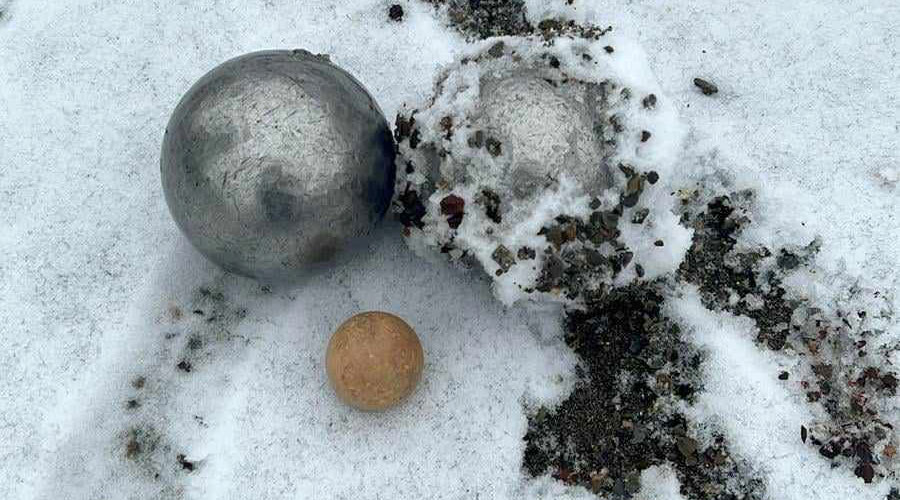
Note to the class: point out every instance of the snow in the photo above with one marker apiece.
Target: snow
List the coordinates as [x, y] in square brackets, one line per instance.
[659, 483]
[255, 412]
[806, 109]
[92, 267]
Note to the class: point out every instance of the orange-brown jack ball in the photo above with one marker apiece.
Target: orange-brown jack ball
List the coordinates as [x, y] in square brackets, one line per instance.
[374, 360]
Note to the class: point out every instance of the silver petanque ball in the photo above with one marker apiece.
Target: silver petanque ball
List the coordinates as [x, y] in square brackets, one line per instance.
[274, 161]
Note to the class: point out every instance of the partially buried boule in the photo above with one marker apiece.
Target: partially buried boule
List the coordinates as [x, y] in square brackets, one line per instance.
[274, 161]
[374, 360]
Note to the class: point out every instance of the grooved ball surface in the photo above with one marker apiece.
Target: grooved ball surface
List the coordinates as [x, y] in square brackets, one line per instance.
[374, 360]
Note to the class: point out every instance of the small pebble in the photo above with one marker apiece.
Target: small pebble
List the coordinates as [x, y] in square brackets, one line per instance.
[493, 146]
[396, 12]
[496, 50]
[708, 88]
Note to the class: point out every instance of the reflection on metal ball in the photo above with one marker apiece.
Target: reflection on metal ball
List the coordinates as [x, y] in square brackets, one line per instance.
[274, 161]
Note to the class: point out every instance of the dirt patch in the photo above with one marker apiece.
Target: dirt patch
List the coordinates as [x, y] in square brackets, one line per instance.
[487, 18]
[849, 379]
[622, 419]
[212, 318]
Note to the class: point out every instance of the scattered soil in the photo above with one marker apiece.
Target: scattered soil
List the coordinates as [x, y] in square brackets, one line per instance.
[621, 419]
[213, 317]
[487, 18]
[491, 203]
[140, 443]
[845, 378]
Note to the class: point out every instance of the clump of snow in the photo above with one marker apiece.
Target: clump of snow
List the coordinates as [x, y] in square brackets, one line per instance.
[547, 488]
[522, 134]
[659, 483]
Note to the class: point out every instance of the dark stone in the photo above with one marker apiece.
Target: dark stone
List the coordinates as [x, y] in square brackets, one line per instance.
[184, 463]
[403, 127]
[476, 140]
[830, 450]
[526, 253]
[788, 261]
[551, 273]
[452, 205]
[496, 50]
[396, 12]
[447, 126]
[413, 210]
[504, 258]
[454, 208]
[491, 202]
[640, 215]
[707, 87]
[616, 123]
[415, 138]
[493, 146]
[866, 472]
[633, 189]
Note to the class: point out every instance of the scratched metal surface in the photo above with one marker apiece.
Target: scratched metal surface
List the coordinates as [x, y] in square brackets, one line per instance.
[274, 161]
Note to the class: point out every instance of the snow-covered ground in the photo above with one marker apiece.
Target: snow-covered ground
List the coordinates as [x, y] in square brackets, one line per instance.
[101, 298]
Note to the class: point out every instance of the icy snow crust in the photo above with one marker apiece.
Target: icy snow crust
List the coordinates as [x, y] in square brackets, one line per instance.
[98, 290]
